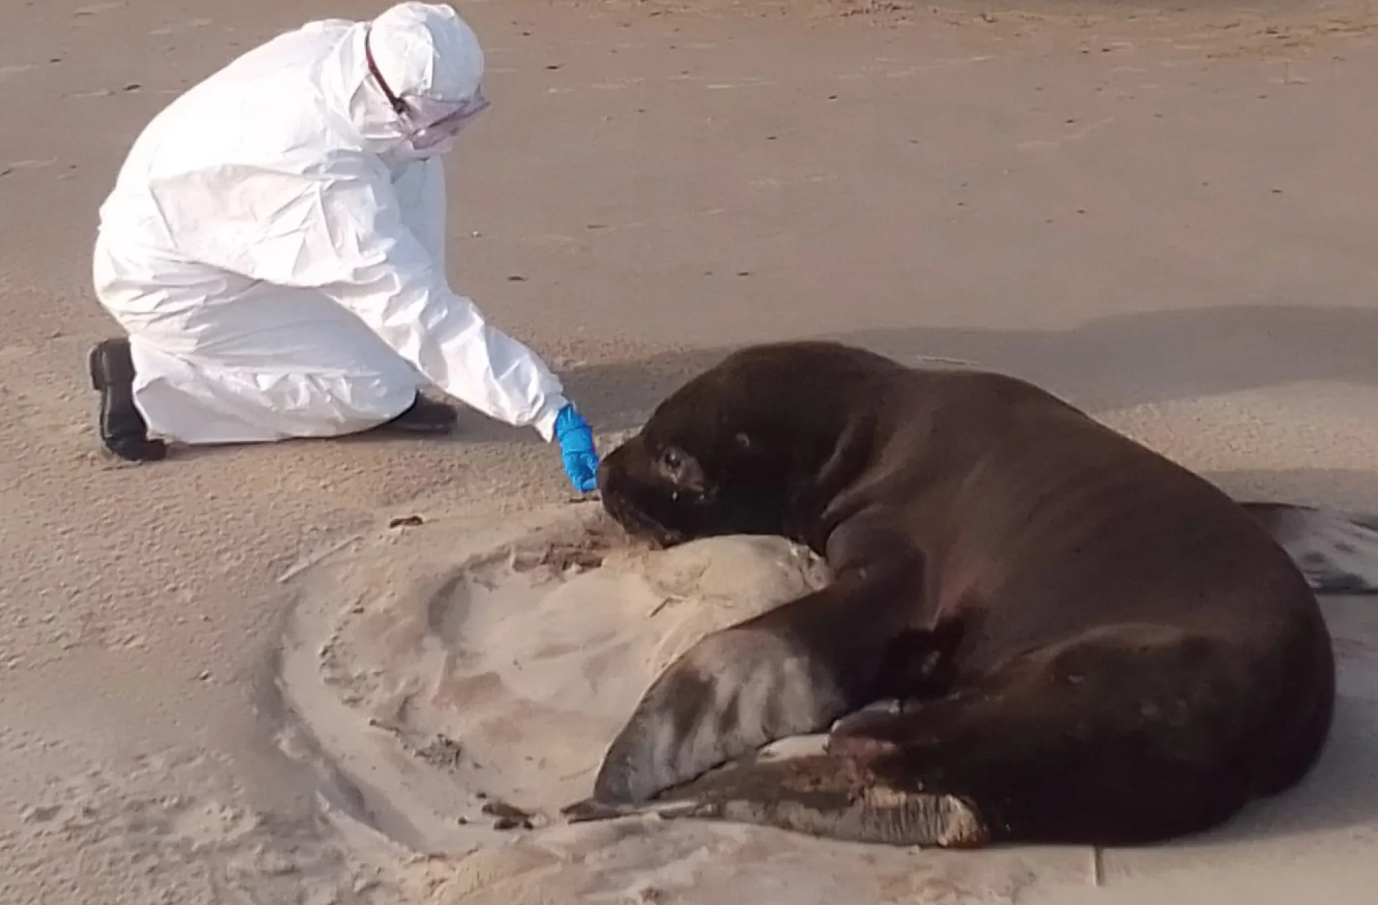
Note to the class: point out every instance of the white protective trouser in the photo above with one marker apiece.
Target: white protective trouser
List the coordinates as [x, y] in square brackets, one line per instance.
[219, 358]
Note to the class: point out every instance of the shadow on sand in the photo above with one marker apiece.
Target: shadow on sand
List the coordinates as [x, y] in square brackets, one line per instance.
[1114, 362]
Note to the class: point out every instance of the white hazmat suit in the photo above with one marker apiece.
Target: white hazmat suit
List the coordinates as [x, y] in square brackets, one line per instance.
[275, 243]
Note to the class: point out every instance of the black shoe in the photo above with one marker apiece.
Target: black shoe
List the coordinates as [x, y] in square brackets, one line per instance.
[122, 429]
[426, 416]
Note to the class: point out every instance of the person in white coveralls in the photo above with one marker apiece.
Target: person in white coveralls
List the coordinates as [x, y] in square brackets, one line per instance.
[274, 247]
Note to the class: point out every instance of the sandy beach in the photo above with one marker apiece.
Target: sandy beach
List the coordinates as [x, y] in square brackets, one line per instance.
[371, 671]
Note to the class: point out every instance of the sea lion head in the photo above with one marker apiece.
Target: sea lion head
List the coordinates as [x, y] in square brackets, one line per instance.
[677, 480]
[730, 451]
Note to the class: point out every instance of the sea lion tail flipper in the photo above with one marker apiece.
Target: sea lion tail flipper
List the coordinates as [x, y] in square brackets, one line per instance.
[1337, 551]
[827, 795]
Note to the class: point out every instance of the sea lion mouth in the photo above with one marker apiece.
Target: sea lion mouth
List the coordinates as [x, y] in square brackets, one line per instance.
[639, 523]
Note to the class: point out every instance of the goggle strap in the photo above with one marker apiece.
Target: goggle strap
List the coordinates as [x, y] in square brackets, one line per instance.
[399, 106]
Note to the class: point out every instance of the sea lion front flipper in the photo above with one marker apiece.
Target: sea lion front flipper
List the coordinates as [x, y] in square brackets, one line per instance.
[730, 693]
[832, 796]
[790, 671]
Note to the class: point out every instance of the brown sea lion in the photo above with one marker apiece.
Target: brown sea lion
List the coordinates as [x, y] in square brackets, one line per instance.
[1088, 642]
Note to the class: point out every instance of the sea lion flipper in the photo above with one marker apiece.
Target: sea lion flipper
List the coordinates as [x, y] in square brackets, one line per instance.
[745, 686]
[1336, 551]
[833, 796]
[732, 692]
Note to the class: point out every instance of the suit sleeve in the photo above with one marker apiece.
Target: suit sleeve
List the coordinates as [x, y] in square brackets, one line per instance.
[344, 233]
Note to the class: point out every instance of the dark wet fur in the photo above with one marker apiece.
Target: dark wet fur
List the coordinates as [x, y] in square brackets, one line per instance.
[1092, 644]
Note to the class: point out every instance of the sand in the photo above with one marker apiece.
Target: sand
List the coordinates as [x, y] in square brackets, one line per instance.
[225, 678]
[506, 658]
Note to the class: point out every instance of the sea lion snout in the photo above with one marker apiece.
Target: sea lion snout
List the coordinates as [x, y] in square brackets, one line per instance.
[633, 504]
[621, 477]
[660, 492]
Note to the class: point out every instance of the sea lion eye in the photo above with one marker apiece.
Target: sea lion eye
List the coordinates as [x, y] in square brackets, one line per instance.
[681, 470]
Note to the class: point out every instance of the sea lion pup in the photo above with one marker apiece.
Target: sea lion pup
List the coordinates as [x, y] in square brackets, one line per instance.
[1091, 644]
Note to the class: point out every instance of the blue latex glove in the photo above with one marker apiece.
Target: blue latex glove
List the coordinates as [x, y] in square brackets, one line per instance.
[575, 437]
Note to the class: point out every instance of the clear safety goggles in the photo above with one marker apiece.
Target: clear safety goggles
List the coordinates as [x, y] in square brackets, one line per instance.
[429, 121]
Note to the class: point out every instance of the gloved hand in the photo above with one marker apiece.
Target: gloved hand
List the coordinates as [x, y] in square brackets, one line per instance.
[575, 437]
